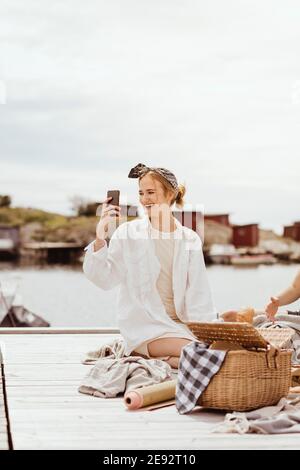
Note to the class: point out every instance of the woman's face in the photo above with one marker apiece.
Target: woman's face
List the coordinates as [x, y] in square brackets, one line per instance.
[152, 196]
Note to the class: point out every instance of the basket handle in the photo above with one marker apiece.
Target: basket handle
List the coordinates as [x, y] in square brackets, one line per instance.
[272, 352]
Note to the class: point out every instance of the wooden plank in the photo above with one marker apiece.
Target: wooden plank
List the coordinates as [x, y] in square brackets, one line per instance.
[39, 391]
[92, 441]
[73, 352]
[25, 372]
[49, 344]
[58, 330]
[36, 338]
[50, 245]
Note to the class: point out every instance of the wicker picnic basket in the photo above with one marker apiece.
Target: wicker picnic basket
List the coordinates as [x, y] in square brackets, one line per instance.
[250, 378]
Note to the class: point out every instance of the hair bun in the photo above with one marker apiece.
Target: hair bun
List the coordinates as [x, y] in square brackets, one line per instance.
[181, 193]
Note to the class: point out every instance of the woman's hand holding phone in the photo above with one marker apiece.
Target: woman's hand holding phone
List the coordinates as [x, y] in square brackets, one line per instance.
[108, 211]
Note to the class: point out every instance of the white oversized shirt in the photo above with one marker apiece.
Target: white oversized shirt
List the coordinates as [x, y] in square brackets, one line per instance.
[130, 262]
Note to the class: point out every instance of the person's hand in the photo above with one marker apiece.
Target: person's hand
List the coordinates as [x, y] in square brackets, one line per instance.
[107, 214]
[272, 308]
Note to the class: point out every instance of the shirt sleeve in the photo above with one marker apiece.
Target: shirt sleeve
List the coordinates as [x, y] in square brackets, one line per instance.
[105, 268]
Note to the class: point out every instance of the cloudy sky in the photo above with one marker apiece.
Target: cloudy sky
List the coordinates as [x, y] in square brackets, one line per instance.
[207, 88]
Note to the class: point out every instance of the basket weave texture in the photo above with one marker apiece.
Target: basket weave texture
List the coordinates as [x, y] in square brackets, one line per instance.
[249, 378]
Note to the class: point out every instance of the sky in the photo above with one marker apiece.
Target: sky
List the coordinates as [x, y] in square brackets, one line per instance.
[206, 88]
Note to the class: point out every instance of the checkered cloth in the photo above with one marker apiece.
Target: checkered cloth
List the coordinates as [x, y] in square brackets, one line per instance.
[197, 367]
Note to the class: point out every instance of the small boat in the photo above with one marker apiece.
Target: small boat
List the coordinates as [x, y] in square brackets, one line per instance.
[253, 260]
[12, 311]
[221, 254]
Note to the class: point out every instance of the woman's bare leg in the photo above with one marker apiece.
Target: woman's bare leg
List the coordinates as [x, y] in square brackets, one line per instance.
[168, 347]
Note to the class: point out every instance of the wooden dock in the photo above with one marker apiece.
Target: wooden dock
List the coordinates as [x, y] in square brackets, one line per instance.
[58, 252]
[9, 241]
[45, 410]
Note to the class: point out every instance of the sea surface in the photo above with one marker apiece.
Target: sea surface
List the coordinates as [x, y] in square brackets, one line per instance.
[62, 295]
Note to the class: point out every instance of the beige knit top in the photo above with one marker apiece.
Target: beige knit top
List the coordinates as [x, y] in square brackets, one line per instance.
[164, 249]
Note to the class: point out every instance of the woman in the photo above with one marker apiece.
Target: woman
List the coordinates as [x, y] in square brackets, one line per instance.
[159, 266]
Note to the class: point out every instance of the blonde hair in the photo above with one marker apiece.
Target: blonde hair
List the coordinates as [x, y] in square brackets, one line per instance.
[167, 188]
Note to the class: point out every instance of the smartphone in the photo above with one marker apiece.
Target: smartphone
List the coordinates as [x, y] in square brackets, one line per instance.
[115, 201]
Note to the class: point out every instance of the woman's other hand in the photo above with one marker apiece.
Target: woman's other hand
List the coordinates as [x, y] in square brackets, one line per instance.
[272, 308]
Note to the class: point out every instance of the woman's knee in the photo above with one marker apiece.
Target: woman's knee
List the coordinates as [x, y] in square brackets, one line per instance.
[173, 362]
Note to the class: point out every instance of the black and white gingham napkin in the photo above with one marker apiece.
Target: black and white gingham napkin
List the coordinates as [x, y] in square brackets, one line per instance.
[197, 367]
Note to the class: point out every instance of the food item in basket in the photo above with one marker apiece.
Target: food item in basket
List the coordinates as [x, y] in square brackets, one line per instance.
[230, 316]
[245, 315]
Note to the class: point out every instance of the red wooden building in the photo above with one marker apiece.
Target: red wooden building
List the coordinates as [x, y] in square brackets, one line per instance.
[289, 231]
[245, 235]
[222, 219]
[191, 219]
[292, 231]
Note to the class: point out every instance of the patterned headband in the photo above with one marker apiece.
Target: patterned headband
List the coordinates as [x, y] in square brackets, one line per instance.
[140, 170]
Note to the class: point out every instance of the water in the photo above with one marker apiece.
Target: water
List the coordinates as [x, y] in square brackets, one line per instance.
[63, 296]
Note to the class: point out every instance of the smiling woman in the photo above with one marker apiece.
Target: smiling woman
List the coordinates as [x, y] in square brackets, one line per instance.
[159, 266]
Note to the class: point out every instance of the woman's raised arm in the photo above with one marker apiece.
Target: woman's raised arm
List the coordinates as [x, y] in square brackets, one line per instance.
[103, 265]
